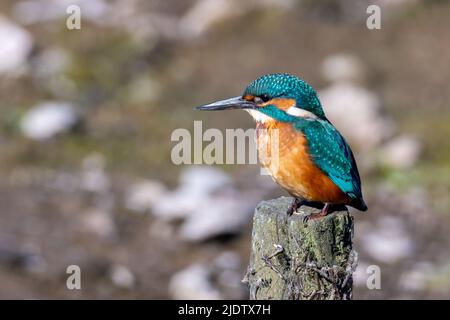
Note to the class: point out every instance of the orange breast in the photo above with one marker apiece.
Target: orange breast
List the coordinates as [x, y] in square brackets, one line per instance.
[283, 152]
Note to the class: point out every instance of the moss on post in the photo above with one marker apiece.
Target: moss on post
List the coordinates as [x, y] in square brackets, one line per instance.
[296, 260]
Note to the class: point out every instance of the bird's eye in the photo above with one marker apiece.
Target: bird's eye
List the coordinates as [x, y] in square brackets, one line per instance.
[262, 98]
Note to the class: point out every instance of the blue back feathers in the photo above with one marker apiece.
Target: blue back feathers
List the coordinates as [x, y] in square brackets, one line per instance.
[331, 153]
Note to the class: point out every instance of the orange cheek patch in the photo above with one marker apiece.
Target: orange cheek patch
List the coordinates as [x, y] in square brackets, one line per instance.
[281, 103]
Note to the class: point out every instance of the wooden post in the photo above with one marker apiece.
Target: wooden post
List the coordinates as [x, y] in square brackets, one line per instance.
[292, 259]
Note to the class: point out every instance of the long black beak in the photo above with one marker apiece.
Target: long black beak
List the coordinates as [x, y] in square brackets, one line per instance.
[232, 103]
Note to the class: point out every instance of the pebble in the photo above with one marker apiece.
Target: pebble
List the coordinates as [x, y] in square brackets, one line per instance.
[16, 44]
[367, 127]
[97, 222]
[122, 277]
[38, 11]
[193, 283]
[216, 217]
[342, 67]
[401, 152]
[144, 195]
[388, 241]
[49, 119]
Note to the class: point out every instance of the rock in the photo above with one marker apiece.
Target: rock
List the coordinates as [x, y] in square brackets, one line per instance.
[50, 62]
[15, 46]
[401, 152]
[217, 216]
[207, 203]
[193, 283]
[228, 260]
[97, 222]
[162, 230]
[342, 67]
[203, 14]
[122, 277]
[130, 16]
[93, 177]
[204, 179]
[367, 127]
[177, 204]
[228, 266]
[204, 216]
[48, 119]
[206, 13]
[134, 18]
[27, 257]
[417, 278]
[196, 185]
[142, 196]
[37, 11]
[35, 261]
[219, 280]
[388, 242]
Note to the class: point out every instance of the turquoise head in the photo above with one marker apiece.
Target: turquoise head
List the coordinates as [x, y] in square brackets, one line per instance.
[280, 96]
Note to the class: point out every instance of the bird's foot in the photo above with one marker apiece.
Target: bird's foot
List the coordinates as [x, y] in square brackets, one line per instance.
[296, 203]
[318, 215]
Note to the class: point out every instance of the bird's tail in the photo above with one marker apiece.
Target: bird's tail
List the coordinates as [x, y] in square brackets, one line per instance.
[360, 205]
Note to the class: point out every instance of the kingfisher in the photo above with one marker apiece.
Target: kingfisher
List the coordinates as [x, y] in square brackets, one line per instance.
[314, 162]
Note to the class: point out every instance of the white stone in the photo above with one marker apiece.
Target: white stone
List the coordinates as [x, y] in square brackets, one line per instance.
[356, 113]
[417, 278]
[15, 46]
[122, 277]
[206, 13]
[342, 67]
[177, 204]
[401, 152]
[203, 14]
[97, 222]
[49, 119]
[388, 241]
[206, 203]
[228, 267]
[193, 283]
[217, 216]
[197, 183]
[36, 11]
[144, 195]
[228, 260]
[204, 179]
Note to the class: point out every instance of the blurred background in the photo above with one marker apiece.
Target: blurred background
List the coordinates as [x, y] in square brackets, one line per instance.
[87, 116]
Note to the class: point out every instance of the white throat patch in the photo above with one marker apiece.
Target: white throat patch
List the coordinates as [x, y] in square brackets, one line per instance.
[259, 116]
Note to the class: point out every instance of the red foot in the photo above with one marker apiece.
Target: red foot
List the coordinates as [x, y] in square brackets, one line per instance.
[319, 215]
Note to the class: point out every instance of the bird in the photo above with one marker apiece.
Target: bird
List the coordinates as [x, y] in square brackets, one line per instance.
[314, 164]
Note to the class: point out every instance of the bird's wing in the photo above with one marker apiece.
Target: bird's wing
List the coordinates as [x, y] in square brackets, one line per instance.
[331, 153]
